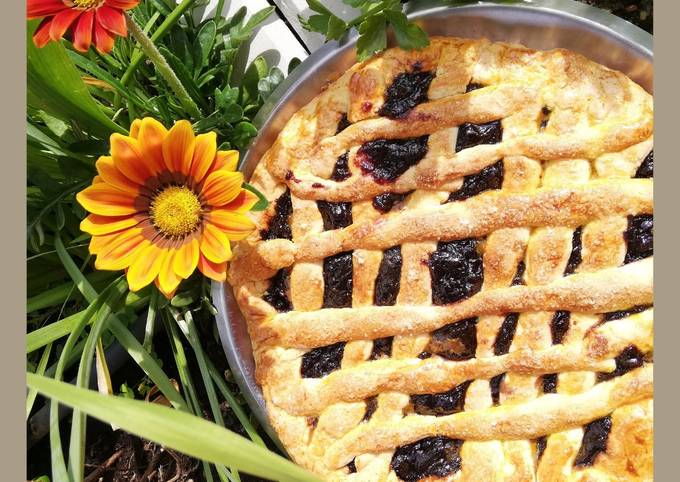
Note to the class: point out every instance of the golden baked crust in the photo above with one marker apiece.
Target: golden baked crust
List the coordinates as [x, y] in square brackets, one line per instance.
[549, 340]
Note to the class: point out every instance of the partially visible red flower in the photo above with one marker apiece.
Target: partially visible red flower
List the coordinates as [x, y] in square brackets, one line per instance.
[89, 20]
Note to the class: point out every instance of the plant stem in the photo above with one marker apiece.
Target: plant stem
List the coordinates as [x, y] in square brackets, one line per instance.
[169, 21]
[152, 53]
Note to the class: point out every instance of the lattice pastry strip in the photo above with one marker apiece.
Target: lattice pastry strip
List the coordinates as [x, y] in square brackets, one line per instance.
[448, 226]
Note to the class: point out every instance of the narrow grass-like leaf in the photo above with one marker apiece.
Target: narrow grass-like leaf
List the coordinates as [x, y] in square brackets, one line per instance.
[178, 430]
[40, 370]
[55, 86]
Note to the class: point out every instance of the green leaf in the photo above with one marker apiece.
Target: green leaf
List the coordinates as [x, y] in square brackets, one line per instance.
[294, 62]
[178, 430]
[257, 18]
[243, 132]
[55, 86]
[262, 203]
[372, 38]
[336, 28]
[205, 39]
[255, 71]
[409, 35]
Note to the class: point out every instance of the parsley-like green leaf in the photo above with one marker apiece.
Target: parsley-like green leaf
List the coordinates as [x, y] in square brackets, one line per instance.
[409, 35]
[372, 36]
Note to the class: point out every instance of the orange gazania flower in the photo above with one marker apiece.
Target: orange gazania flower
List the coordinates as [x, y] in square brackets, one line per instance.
[164, 203]
[88, 19]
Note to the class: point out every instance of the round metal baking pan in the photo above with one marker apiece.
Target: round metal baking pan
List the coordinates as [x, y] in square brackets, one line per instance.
[540, 24]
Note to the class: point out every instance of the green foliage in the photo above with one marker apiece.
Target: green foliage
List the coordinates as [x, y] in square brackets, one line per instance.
[75, 102]
[372, 24]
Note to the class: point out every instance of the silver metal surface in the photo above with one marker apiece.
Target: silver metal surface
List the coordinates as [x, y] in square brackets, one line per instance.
[540, 24]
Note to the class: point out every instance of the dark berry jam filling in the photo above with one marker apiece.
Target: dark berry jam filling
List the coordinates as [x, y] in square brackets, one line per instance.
[388, 279]
[341, 169]
[559, 326]
[455, 341]
[617, 315]
[519, 274]
[382, 348]
[646, 169]
[505, 335]
[457, 271]
[433, 456]
[387, 159]
[335, 215]
[439, 404]
[407, 90]
[495, 386]
[473, 86]
[371, 407]
[343, 124]
[312, 422]
[550, 383]
[541, 443]
[491, 177]
[629, 359]
[321, 361]
[595, 436]
[639, 237]
[279, 224]
[385, 202]
[575, 256]
[470, 135]
[545, 117]
[277, 293]
[337, 278]
[351, 467]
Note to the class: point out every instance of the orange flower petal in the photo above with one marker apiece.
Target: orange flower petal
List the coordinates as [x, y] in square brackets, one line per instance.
[112, 20]
[215, 244]
[151, 135]
[204, 154]
[129, 159]
[82, 33]
[215, 271]
[134, 128]
[178, 147]
[236, 226]
[145, 267]
[167, 294]
[243, 202]
[42, 8]
[122, 250]
[41, 37]
[222, 187]
[99, 243]
[62, 21]
[111, 175]
[227, 160]
[168, 280]
[186, 258]
[97, 225]
[102, 198]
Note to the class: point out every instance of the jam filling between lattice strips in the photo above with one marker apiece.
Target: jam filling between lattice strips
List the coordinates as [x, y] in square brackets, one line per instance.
[456, 341]
[388, 280]
[646, 168]
[279, 224]
[457, 271]
[341, 169]
[386, 201]
[382, 348]
[444, 403]
[639, 237]
[387, 159]
[321, 361]
[575, 255]
[595, 436]
[489, 178]
[471, 135]
[407, 90]
[335, 215]
[277, 293]
[433, 456]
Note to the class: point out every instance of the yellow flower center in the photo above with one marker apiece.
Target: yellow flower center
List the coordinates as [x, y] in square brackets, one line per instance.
[86, 4]
[176, 211]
